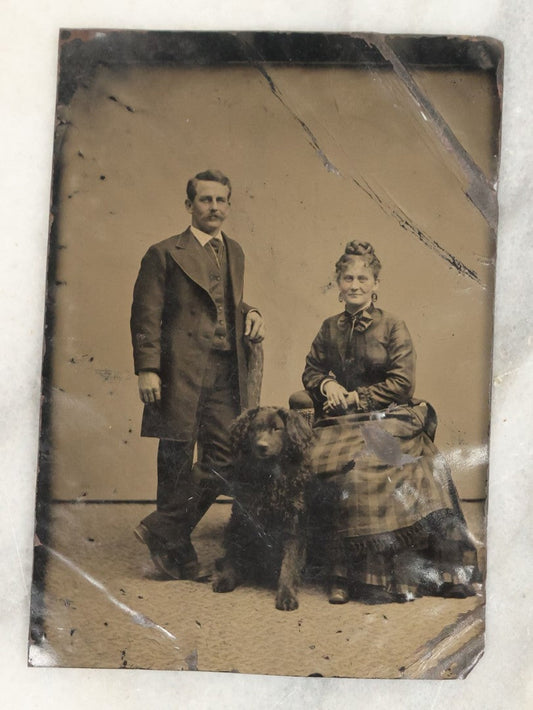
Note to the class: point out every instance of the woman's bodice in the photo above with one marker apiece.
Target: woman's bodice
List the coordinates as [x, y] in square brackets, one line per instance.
[372, 354]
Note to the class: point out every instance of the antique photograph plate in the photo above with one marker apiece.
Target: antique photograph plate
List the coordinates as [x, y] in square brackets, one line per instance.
[391, 140]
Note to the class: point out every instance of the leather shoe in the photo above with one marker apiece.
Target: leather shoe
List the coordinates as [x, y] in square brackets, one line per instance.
[167, 561]
[456, 591]
[338, 593]
[163, 560]
[144, 535]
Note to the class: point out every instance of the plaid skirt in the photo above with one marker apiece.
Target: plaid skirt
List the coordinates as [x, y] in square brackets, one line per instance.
[387, 472]
[385, 506]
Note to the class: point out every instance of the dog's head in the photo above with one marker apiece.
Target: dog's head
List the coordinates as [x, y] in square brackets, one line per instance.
[267, 433]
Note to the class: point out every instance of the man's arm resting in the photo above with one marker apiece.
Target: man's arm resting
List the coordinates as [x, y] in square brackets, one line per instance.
[254, 326]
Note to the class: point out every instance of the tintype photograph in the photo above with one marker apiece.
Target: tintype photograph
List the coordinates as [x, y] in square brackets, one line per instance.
[266, 381]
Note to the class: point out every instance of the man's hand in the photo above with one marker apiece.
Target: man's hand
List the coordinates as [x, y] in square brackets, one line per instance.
[149, 387]
[254, 327]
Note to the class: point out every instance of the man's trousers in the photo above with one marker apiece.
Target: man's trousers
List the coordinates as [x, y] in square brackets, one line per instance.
[185, 491]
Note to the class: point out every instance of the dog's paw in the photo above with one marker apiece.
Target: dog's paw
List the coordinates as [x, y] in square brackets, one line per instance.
[224, 583]
[286, 600]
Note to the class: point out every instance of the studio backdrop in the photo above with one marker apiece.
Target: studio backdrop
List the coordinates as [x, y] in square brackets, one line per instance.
[401, 152]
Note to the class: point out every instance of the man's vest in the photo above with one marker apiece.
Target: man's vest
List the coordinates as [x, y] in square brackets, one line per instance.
[221, 294]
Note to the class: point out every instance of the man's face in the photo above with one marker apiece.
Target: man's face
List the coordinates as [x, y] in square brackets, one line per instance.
[209, 207]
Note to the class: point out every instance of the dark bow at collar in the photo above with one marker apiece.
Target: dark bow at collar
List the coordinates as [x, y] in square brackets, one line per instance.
[359, 321]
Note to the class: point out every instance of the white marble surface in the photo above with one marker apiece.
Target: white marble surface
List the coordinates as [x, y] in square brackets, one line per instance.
[28, 31]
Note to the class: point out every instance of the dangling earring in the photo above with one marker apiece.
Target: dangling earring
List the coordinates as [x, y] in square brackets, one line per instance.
[341, 298]
[374, 297]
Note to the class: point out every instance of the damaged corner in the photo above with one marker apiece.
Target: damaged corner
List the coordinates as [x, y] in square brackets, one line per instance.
[481, 191]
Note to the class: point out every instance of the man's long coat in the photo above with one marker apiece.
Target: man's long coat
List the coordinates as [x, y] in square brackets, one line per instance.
[173, 321]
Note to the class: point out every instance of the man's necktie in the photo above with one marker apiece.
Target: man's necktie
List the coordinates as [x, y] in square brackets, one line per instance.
[216, 246]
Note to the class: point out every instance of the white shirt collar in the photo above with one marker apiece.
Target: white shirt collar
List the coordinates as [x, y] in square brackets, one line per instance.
[203, 237]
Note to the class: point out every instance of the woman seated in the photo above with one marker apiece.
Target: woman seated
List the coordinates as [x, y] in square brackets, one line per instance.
[395, 529]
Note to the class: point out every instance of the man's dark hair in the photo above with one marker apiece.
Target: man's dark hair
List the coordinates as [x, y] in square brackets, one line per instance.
[210, 175]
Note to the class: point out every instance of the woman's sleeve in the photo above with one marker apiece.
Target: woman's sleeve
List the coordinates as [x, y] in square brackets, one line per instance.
[398, 385]
[317, 366]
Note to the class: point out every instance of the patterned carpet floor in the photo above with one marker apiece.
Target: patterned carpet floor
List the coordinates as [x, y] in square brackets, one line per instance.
[105, 607]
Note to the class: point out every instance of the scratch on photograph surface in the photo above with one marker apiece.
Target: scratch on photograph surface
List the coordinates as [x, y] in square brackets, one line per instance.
[386, 204]
[108, 375]
[135, 616]
[310, 136]
[121, 103]
[474, 660]
[481, 192]
[393, 210]
[463, 458]
[454, 639]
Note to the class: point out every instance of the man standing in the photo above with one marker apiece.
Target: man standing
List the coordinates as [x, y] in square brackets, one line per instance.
[190, 329]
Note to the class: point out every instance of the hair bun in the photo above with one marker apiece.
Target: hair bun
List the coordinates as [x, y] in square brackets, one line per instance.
[363, 250]
[355, 248]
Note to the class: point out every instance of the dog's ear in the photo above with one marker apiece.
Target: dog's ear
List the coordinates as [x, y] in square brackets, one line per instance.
[299, 433]
[239, 440]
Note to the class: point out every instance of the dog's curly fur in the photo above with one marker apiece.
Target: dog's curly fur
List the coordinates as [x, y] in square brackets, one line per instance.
[265, 537]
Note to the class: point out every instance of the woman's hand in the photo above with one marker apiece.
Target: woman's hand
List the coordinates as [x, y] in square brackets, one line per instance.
[352, 400]
[336, 395]
[339, 399]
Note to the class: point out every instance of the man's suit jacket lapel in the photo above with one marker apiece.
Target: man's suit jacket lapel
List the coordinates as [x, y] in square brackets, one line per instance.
[190, 255]
[236, 268]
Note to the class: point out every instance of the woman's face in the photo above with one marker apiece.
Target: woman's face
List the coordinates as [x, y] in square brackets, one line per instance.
[357, 284]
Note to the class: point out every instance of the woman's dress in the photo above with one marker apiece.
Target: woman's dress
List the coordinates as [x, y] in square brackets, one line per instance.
[393, 515]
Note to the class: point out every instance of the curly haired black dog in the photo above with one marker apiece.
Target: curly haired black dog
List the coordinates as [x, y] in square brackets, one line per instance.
[265, 537]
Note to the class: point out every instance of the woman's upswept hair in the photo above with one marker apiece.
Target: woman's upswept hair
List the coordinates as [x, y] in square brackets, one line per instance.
[365, 251]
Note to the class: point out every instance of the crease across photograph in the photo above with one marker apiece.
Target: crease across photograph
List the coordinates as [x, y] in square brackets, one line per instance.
[268, 345]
